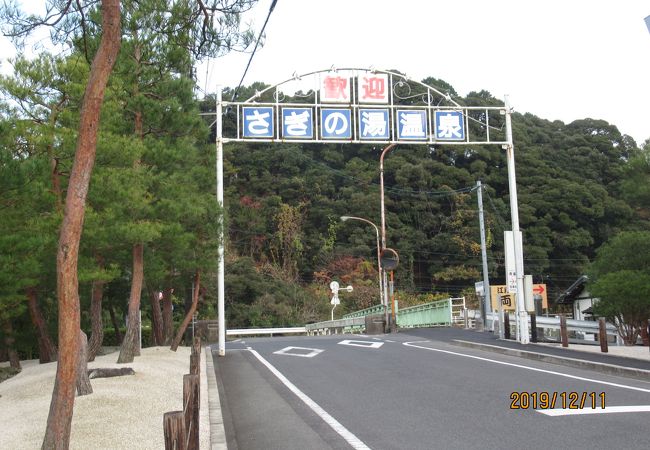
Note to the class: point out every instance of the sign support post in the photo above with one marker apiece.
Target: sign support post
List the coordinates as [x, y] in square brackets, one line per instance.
[220, 256]
[522, 315]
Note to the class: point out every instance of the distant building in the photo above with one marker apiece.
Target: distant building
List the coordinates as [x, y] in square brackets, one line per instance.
[581, 300]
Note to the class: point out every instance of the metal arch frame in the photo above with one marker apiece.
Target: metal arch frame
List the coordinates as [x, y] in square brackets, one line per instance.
[507, 144]
[404, 77]
[395, 80]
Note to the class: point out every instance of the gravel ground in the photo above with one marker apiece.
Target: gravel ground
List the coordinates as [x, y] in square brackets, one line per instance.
[122, 412]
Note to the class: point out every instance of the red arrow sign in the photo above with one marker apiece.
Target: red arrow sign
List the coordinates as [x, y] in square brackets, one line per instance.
[538, 289]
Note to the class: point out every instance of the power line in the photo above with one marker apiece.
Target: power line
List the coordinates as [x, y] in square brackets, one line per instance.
[257, 43]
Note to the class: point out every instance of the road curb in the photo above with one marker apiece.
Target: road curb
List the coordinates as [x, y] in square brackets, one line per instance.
[217, 431]
[610, 369]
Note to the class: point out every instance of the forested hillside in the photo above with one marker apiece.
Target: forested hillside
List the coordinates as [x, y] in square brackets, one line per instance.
[284, 205]
[152, 191]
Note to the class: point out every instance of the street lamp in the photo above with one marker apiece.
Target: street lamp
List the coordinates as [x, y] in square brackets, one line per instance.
[381, 286]
[383, 220]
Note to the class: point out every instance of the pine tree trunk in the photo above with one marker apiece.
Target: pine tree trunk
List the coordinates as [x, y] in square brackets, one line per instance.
[97, 325]
[156, 318]
[83, 381]
[57, 432]
[47, 351]
[8, 331]
[168, 320]
[116, 324]
[130, 344]
[190, 313]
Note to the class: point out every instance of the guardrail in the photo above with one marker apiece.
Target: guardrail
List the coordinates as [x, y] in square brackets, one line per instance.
[270, 331]
[345, 325]
[181, 428]
[589, 329]
[432, 314]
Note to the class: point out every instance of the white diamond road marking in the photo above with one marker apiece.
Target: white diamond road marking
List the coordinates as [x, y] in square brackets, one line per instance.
[288, 351]
[361, 343]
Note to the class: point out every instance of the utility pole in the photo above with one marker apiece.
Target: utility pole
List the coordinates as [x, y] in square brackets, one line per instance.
[487, 305]
[522, 315]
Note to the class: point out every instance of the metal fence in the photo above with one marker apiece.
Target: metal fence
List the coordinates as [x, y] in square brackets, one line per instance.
[580, 331]
[427, 315]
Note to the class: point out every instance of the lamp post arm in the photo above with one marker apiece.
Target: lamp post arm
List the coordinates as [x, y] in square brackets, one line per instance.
[381, 190]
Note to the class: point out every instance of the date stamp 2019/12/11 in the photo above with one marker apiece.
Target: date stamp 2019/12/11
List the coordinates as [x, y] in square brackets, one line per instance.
[553, 400]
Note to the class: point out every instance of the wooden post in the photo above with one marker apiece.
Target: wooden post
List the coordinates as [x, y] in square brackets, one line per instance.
[602, 335]
[195, 364]
[563, 332]
[506, 324]
[191, 410]
[533, 327]
[174, 430]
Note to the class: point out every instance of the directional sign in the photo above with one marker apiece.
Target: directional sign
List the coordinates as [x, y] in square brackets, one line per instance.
[540, 289]
[508, 300]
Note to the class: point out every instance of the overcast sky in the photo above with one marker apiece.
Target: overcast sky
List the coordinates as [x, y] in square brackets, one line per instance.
[558, 59]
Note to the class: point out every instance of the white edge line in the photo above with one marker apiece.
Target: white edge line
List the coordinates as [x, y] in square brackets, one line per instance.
[607, 410]
[351, 439]
[534, 369]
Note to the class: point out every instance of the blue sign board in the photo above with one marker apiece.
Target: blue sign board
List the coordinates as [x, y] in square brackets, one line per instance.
[449, 126]
[258, 122]
[374, 124]
[297, 123]
[411, 124]
[336, 123]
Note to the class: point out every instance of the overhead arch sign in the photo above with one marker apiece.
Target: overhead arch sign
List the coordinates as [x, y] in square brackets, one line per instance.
[362, 106]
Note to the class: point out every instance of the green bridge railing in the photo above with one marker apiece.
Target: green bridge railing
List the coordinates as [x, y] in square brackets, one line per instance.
[432, 314]
[426, 315]
[377, 309]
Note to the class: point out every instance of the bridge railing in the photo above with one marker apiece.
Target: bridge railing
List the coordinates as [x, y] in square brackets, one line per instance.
[345, 325]
[377, 309]
[432, 314]
[264, 331]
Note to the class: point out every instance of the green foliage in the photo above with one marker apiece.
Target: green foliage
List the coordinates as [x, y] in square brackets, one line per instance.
[621, 280]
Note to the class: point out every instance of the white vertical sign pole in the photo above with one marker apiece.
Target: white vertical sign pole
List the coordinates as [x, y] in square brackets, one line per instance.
[220, 255]
[522, 316]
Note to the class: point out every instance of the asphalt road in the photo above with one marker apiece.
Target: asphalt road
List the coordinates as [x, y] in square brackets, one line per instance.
[415, 391]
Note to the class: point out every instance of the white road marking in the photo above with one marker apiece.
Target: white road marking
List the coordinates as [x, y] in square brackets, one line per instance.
[388, 340]
[365, 344]
[606, 410]
[288, 351]
[354, 441]
[534, 369]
